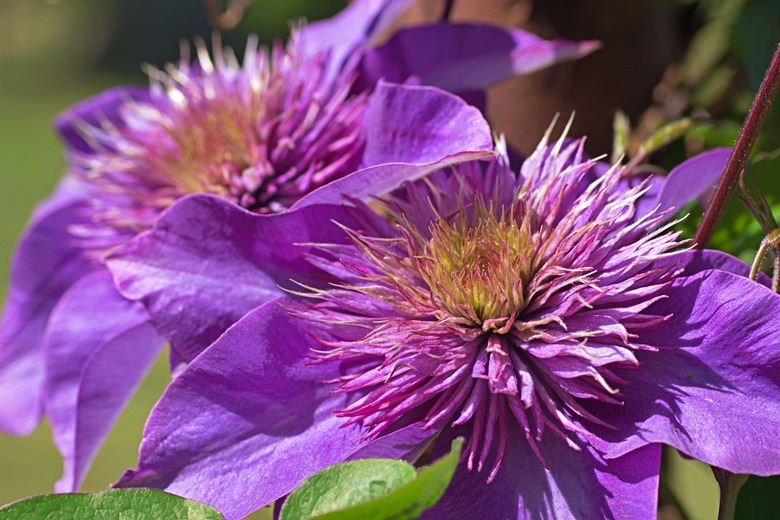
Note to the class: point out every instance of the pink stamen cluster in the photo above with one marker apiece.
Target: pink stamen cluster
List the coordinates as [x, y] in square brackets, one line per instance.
[261, 134]
[497, 302]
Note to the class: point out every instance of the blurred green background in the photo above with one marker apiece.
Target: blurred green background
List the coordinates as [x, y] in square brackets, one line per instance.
[54, 53]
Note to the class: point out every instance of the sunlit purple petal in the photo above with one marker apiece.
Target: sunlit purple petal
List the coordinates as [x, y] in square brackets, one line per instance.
[237, 428]
[714, 383]
[97, 346]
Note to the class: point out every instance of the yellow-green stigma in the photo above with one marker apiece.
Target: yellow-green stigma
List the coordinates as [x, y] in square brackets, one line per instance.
[479, 265]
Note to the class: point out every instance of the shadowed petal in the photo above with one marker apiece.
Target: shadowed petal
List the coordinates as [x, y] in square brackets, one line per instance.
[716, 381]
[208, 262]
[378, 180]
[576, 485]
[406, 443]
[697, 260]
[422, 126]
[93, 111]
[247, 421]
[97, 346]
[463, 57]
[44, 265]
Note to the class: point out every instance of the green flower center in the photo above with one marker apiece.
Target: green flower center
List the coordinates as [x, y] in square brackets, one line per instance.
[478, 266]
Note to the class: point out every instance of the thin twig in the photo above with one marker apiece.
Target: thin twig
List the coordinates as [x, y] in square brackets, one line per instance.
[771, 241]
[776, 270]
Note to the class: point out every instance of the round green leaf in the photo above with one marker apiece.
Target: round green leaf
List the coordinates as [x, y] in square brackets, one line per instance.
[332, 498]
[124, 504]
[345, 485]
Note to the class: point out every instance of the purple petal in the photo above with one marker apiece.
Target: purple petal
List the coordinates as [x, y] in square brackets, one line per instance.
[208, 262]
[422, 126]
[687, 181]
[97, 346]
[68, 192]
[631, 483]
[406, 443]
[356, 25]
[93, 112]
[698, 260]
[462, 57]
[247, 421]
[713, 391]
[44, 265]
[575, 486]
[109, 379]
[376, 181]
[648, 201]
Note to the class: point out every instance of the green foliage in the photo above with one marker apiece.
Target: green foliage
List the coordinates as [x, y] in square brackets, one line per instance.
[124, 504]
[665, 135]
[738, 232]
[759, 499]
[621, 128]
[379, 489]
[711, 135]
[756, 33]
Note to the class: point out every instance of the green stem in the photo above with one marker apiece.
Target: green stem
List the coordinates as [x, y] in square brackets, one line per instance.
[730, 484]
[760, 254]
[772, 240]
[740, 153]
[776, 271]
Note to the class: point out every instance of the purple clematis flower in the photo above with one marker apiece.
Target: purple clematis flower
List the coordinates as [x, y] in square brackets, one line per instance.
[536, 315]
[259, 134]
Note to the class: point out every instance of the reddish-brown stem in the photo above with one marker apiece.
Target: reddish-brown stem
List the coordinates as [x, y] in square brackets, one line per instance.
[740, 153]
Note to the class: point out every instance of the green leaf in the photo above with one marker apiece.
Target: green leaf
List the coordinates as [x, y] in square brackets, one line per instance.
[711, 135]
[755, 37]
[621, 131]
[665, 135]
[379, 489]
[125, 504]
[345, 485]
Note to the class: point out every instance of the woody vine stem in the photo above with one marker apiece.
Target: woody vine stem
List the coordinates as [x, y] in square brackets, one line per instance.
[740, 153]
